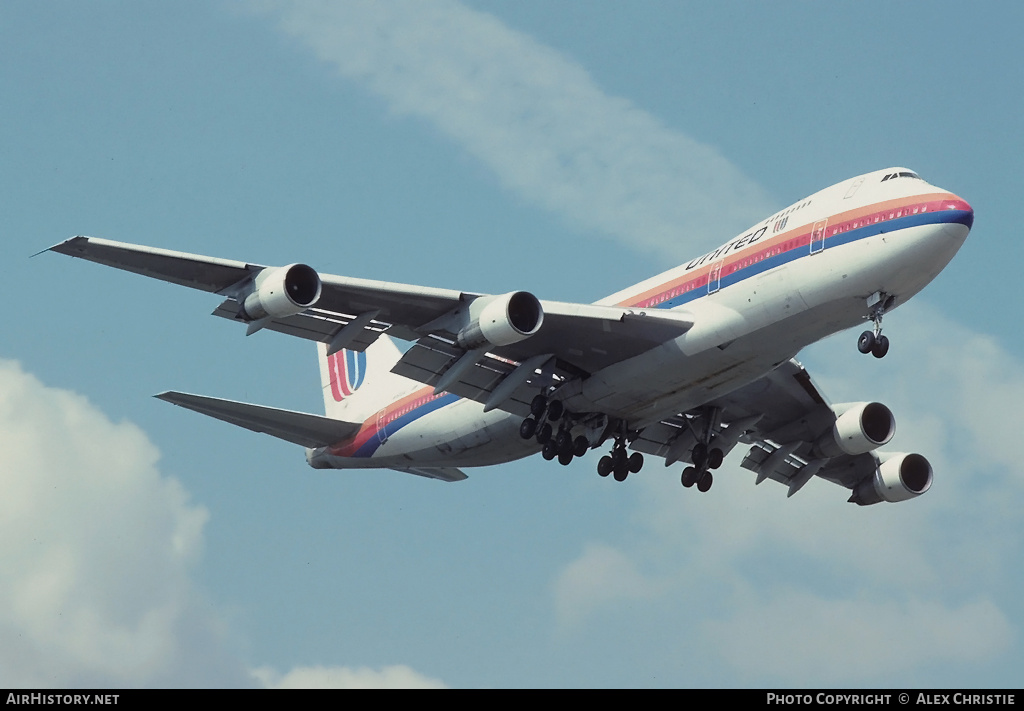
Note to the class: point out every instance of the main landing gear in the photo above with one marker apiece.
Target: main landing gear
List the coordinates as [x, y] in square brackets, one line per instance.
[704, 460]
[704, 455]
[874, 342]
[617, 462]
[558, 443]
[551, 425]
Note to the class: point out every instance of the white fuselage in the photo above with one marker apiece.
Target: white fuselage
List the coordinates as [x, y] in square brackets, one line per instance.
[793, 279]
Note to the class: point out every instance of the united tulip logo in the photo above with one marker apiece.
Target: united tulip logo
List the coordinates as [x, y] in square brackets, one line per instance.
[347, 369]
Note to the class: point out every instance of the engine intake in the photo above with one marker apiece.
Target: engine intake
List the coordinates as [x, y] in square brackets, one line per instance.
[860, 427]
[282, 291]
[898, 477]
[501, 320]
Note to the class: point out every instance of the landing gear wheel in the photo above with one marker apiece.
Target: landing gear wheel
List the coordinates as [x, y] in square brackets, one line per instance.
[689, 476]
[620, 458]
[881, 347]
[705, 482]
[621, 470]
[635, 462]
[528, 428]
[564, 442]
[580, 446]
[565, 458]
[699, 456]
[555, 410]
[866, 342]
[544, 433]
[538, 406]
[550, 450]
[715, 458]
[605, 465]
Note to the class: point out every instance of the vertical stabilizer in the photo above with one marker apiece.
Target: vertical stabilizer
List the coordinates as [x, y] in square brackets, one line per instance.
[358, 385]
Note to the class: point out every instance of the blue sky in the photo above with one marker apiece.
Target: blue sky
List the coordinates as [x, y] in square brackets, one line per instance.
[565, 148]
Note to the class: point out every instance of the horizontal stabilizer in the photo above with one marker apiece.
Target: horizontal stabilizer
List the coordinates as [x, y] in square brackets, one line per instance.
[296, 427]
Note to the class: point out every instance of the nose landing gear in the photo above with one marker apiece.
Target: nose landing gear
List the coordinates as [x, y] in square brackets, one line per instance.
[874, 342]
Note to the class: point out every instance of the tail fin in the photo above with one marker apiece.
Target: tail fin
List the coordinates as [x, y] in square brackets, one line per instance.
[357, 384]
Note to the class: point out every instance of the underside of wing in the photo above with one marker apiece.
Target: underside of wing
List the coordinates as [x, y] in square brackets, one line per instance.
[494, 349]
[205, 273]
[794, 435]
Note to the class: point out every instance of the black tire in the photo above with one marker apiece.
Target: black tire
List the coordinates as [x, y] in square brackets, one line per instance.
[881, 347]
[550, 451]
[715, 458]
[538, 406]
[621, 471]
[555, 410]
[619, 455]
[605, 465]
[699, 455]
[580, 445]
[689, 475]
[866, 342]
[635, 462]
[564, 441]
[705, 482]
[543, 433]
[528, 428]
[565, 458]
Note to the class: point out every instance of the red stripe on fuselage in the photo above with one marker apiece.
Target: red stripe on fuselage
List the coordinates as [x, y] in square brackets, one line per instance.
[392, 412]
[699, 275]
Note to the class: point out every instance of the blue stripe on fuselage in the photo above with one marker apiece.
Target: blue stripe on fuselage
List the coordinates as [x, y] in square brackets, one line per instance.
[962, 217]
[371, 445]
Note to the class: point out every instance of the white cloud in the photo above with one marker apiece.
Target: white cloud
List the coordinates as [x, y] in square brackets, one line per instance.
[813, 590]
[601, 576]
[96, 551]
[809, 640]
[320, 677]
[535, 118]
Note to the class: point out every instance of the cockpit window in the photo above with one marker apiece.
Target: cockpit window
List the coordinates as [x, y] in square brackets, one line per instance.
[902, 174]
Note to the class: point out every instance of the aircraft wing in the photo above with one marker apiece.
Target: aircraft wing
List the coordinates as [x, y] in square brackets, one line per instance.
[789, 426]
[573, 339]
[341, 301]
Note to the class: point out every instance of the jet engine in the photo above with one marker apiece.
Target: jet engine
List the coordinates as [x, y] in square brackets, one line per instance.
[898, 477]
[860, 427]
[282, 291]
[501, 320]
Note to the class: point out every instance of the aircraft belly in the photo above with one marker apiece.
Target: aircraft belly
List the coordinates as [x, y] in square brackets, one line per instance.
[460, 435]
[901, 263]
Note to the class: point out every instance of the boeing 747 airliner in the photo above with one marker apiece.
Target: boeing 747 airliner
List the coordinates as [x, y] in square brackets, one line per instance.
[684, 366]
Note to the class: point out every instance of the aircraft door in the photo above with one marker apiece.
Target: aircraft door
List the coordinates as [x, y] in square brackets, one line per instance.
[818, 236]
[382, 426]
[715, 277]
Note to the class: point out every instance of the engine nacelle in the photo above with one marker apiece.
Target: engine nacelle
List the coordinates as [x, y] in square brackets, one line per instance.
[898, 477]
[501, 320]
[860, 427]
[282, 291]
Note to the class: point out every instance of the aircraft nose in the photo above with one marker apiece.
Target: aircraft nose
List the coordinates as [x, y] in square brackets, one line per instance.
[960, 214]
[968, 218]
